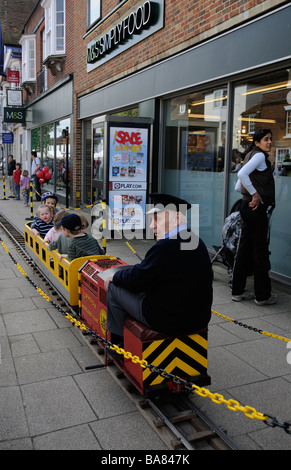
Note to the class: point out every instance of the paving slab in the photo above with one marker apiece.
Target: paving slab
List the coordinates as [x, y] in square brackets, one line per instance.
[55, 404]
[48, 400]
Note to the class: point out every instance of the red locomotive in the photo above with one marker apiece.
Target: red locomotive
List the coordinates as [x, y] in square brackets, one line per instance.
[184, 356]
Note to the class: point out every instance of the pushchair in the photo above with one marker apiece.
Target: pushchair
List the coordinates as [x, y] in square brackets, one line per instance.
[231, 232]
[230, 238]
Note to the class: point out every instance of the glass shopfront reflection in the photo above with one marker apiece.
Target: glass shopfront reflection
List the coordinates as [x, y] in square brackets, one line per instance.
[194, 155]
[48, 155]
[265, 102]
[98, 161]
[61, 149]
[53, 147]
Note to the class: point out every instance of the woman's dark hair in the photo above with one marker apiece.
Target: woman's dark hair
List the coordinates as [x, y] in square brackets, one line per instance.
[258, 136]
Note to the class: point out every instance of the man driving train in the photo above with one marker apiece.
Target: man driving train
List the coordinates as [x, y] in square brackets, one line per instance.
[170, 290]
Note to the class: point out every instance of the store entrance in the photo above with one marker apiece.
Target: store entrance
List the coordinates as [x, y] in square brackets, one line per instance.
[98, 163]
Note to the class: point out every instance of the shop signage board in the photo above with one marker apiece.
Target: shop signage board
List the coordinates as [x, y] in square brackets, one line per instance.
[14, 97]
[128, 169]
[133, 27]
[13, 76]
[7, 138]
[16, 115]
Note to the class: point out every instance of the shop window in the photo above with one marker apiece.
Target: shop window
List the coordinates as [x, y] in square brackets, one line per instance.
[194, 155]
[264, 102]
[51, 146]
[62, 172]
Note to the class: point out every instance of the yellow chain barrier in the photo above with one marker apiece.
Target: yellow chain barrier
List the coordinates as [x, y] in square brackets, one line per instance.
[271, 335]
[217, 398]
[231, 404]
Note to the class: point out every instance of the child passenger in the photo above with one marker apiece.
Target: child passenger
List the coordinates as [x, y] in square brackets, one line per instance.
[25, 185]
[44, 221]
[84, 222]
[81, 243]
[54, 233]
[48, 199]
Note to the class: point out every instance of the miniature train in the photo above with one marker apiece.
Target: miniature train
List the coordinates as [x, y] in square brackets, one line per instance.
[81, 283]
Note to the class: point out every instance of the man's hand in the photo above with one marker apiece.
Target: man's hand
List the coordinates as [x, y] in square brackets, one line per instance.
[107, 282]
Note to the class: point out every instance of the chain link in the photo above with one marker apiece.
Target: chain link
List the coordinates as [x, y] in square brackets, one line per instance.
[275, 423]
[256, 330]
[217, 398]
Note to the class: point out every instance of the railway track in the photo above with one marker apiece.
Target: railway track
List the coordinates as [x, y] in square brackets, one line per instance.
[175, 418]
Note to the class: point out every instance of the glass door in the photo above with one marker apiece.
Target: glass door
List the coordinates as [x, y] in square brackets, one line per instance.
[98, 162]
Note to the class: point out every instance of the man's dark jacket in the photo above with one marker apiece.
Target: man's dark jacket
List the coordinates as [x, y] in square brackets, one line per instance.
[11, 167]
[177, 284]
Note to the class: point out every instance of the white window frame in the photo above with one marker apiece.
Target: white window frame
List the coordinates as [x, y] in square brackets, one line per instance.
[220, 98]
[281, 153]
[252, 123]
[288, 121]
[28, 57]
[91, 20]
[50, 32]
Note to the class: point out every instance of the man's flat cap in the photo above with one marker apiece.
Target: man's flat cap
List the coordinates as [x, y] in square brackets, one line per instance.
[163, 202]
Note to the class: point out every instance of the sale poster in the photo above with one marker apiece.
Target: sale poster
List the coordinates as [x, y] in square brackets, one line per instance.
[128, 161]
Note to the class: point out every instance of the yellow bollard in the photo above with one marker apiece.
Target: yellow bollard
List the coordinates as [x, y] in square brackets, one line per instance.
[103, 204]
[31, 203]
[4, 190]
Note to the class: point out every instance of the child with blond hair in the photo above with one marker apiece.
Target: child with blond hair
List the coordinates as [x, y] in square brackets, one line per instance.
[44, 221]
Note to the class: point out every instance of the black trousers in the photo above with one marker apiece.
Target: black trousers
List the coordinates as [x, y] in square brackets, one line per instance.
[120, 304]
[253, 252]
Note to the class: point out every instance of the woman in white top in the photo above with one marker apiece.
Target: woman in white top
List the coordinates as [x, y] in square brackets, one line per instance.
[256, 183]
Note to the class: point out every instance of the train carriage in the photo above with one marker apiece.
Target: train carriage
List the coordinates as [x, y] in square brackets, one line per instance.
[81, 283]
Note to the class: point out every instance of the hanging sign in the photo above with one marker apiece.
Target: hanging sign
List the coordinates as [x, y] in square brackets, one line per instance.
[14, 97]
[13, 76]
[16, 115]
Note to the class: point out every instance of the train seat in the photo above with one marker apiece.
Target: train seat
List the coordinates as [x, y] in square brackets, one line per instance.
[142, 332]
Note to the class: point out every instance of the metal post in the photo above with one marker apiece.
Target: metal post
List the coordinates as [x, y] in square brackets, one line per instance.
[31, 203]
[4, 193]
[103, 204]
[66, 136]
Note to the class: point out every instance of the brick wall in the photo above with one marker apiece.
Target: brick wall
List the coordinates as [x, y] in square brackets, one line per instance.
[187, 23]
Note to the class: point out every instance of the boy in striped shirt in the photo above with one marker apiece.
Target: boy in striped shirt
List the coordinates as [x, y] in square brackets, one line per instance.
[82, 244]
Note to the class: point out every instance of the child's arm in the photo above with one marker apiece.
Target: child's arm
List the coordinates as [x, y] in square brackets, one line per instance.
[49, 236]
[53, 245]
[35, 232]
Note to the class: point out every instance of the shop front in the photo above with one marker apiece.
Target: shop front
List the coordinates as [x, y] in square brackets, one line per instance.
[206, 104]
[49, 126]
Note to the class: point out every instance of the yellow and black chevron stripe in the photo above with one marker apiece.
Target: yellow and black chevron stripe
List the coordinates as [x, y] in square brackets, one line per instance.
[185, 356]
